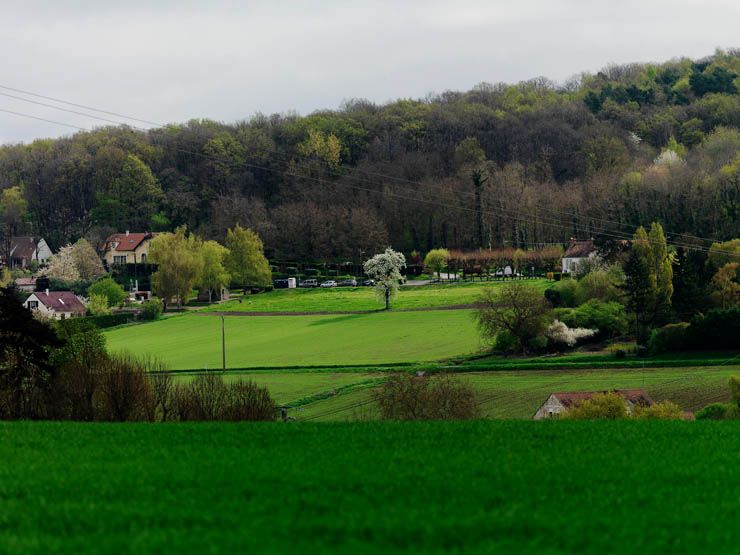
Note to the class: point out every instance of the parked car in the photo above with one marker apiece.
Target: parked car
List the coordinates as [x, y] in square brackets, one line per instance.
[368, 282]
[329, 283]
[309, 283]
[348, 283]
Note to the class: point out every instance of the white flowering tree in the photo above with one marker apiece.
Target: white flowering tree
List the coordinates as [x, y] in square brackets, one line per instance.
[559, 332]
[385, 269]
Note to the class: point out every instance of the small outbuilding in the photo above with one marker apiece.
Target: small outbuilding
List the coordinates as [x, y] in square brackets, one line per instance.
[25, 284]
[59, 305]
[558, 403]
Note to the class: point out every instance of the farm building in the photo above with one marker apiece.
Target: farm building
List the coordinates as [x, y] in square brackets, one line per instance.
[126, 248]
[577, 252]
[26, 250]
[59, 305]
[558, 403]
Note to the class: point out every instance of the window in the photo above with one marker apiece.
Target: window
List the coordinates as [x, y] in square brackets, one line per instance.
[33, 305]
[119, 260]
[143, 257]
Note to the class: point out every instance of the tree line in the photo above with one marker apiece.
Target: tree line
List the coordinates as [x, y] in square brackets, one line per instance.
[498, 165]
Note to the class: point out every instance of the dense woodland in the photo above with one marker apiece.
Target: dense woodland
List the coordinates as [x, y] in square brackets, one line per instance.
[499, 165]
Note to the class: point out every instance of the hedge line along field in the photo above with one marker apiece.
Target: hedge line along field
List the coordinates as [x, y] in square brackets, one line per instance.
[363, 298]
[193, 341]
[518, 394]
[371, 487]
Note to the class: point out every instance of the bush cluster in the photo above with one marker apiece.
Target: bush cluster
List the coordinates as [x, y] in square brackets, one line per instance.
[410, 397]
[717, 329]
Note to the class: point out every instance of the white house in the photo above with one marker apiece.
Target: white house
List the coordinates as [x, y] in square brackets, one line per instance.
[59, 305]
[25, 250]
[558, 403]
[577, 252]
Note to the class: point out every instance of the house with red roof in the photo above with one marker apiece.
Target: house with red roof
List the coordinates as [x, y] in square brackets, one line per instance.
[576, 253]
[558, 403]
[59, 305]
[126, 248]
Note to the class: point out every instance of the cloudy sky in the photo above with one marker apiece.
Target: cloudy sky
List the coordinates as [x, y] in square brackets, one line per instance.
[170, 61]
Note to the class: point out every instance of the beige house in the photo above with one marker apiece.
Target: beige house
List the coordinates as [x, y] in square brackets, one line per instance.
[126, 248]
[59, 305]
[558, 403]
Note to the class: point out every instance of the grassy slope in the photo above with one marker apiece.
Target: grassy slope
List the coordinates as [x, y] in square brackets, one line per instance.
[518, 394]
[362, 298]
[475, 487]
[194, 341]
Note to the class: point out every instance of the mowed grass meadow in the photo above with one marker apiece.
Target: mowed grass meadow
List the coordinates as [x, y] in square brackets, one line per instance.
[363, 298]
[370, 487]
[193, 341]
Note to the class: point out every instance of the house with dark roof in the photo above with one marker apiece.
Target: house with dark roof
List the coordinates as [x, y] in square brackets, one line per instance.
[558, 403]
[576, 253]
[26, 250]
[59, 305]
[126, 248]
[25, 284]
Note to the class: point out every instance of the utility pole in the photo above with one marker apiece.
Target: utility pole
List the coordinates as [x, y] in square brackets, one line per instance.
[223, 342]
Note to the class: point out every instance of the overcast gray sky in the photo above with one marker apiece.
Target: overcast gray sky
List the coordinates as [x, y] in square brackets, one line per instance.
[176, 60]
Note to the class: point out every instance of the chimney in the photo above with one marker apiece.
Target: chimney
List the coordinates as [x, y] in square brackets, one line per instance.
[47, 291]
[127, 233]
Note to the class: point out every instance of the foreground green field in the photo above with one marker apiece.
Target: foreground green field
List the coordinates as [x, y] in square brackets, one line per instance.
[518, 394]
[472, 487]
[193, 341]
[363, 298]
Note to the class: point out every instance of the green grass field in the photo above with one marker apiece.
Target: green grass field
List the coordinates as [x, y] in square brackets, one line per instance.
[363, 298]
[466, 487]
[518, 394]
[193, 341]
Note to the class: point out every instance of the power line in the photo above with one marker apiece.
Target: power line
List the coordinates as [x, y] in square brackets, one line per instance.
[99, 110]
[554, 223]
[274, 152]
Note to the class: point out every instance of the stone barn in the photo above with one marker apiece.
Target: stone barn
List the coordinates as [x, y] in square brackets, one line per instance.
[558, 403]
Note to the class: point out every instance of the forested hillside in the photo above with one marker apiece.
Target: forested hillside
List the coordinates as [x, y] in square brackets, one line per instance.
[497, 165]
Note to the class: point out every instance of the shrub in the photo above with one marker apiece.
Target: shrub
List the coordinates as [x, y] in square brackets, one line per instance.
[563, 293]
[610, 319]
[537, 343]
[671, 337]
[735, 389]
[208, 397]
[108, 288]
[125, 393]
[665, 410]
[151, 309]
[504, 342]
[98, 305]
[248, 401]
[718, 329]
[163, 391]
[601, 284]
[716, 411]
[560, 333]
[409, 397]
[607, 406]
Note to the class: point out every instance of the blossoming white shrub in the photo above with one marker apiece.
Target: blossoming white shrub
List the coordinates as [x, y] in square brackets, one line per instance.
[558, 332]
